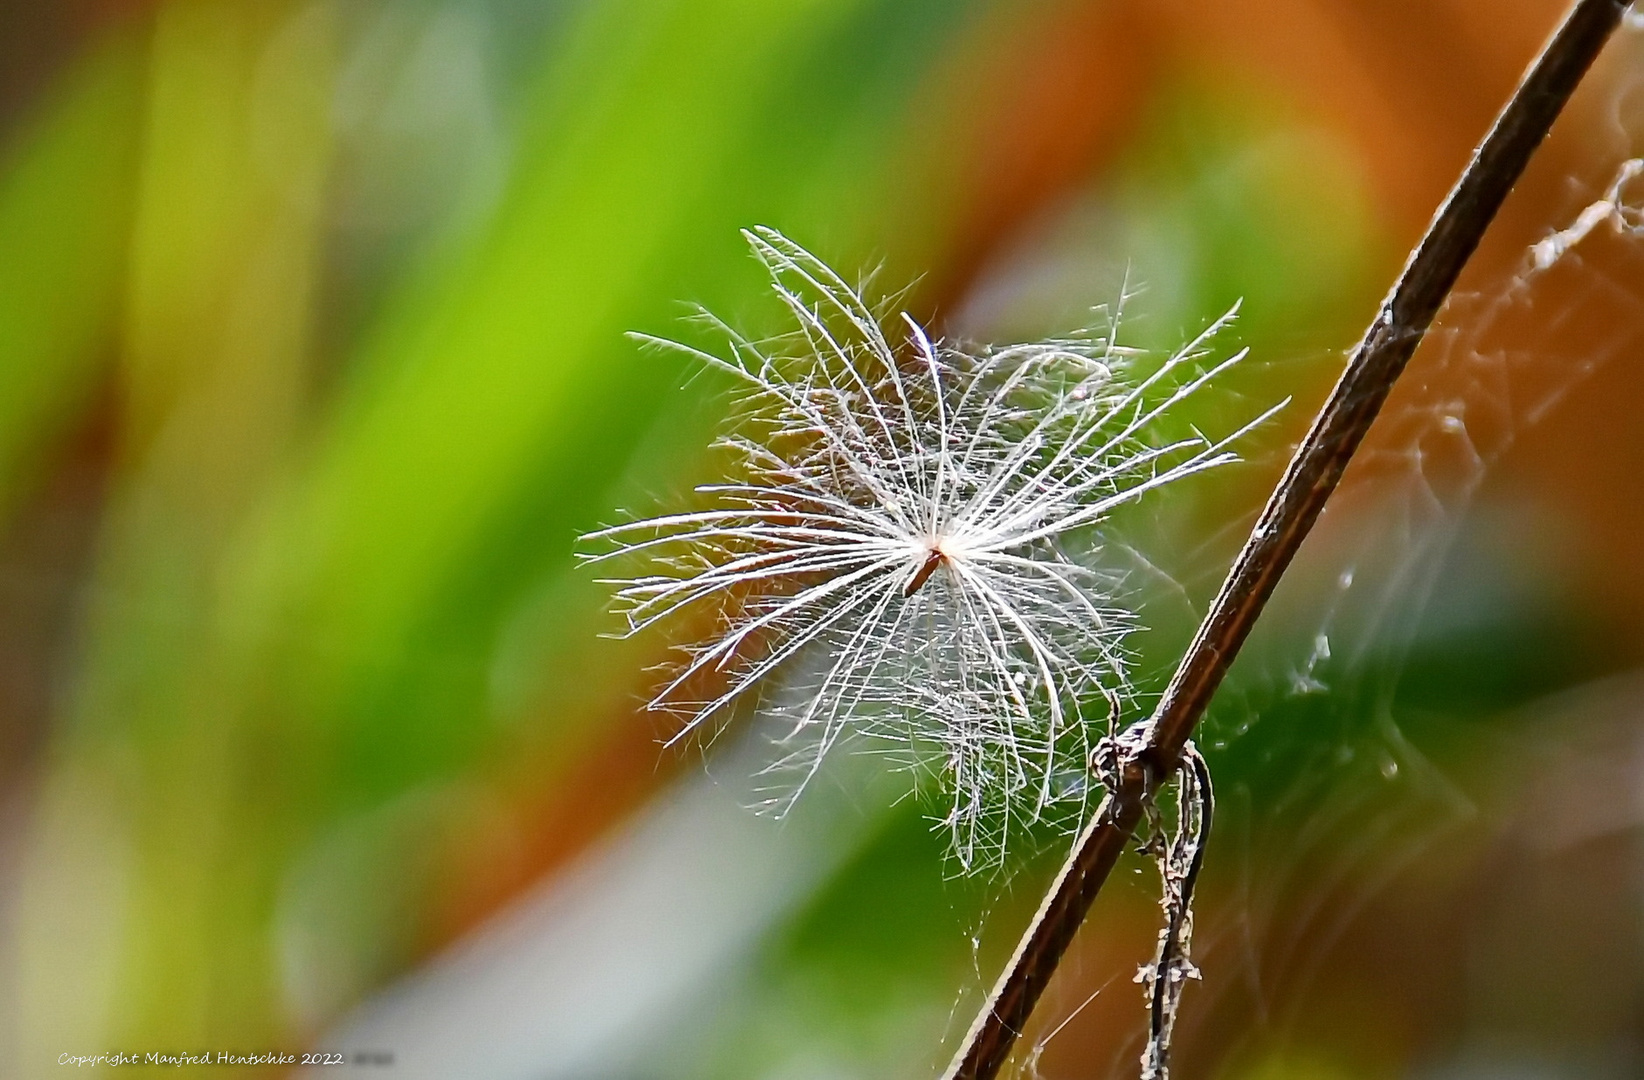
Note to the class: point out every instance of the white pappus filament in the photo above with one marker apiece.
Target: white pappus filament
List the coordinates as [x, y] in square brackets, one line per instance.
[907, 557]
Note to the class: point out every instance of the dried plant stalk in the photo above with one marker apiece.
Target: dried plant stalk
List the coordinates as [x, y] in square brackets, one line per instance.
[1154, 750]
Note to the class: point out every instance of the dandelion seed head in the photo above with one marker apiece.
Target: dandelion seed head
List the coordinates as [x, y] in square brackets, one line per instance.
[906, 559]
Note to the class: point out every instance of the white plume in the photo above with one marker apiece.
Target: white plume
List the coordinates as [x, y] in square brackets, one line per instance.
[907, 556]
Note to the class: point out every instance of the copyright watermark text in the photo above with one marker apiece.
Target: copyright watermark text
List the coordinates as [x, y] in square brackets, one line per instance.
[180, 1059]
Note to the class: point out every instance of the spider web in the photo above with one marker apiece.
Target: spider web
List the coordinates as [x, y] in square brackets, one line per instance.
[1334, 743]
[1330, 786]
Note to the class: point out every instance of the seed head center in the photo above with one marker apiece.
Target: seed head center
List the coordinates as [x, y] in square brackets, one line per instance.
[933, 558]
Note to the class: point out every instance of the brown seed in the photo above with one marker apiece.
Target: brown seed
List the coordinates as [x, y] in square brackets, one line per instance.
[924, 573]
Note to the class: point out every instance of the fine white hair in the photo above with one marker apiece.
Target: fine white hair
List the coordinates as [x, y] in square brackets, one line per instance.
[908, 555]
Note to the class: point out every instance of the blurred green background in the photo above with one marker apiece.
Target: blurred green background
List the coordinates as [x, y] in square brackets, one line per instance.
[312, 368]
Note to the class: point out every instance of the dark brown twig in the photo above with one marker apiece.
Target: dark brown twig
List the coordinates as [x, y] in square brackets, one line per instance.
[1153, 750]
[1181, 858]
